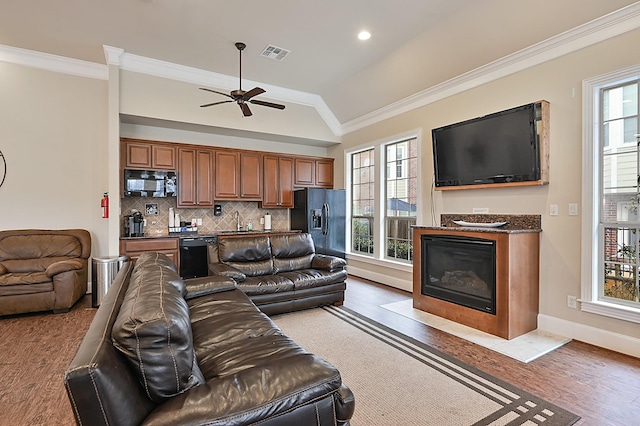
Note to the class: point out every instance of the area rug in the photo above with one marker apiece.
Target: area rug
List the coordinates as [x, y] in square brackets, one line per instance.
[525, 348]
[397, 380]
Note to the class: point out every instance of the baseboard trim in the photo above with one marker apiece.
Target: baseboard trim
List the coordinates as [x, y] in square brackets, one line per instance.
[592, 335]
[400, 284]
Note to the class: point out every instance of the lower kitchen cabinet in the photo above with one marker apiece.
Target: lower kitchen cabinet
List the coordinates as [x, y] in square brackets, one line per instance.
[135, 247]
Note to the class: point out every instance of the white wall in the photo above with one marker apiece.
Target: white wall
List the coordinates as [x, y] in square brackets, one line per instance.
[559, 82]
[53, 136]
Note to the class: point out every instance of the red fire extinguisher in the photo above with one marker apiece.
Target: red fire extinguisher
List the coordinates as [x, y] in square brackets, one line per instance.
[105, 205]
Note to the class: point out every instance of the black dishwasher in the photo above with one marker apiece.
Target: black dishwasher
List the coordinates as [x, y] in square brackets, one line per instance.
[193, 256]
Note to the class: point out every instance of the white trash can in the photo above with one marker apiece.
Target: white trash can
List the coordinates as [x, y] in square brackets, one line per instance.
[103, 272]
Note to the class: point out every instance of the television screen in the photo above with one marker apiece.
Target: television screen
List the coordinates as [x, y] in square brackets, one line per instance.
[497, 148]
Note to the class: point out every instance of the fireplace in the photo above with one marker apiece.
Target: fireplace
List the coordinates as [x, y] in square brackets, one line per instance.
[460, 270]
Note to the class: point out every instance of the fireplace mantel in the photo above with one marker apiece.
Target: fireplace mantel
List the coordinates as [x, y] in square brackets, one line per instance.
[517, 274]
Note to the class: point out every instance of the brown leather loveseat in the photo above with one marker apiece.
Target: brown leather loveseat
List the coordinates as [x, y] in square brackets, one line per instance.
[280, 273]
[166, 351]
[42, 270]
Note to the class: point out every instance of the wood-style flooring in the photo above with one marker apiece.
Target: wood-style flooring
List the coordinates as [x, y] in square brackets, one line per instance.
[601, 386]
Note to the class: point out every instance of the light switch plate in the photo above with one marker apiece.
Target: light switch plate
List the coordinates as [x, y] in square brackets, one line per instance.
[553, 210]
[573, 209]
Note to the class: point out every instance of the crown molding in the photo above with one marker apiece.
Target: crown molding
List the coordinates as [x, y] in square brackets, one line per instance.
[608, 26]
[54, 63]
[603, 28]
[112, 54]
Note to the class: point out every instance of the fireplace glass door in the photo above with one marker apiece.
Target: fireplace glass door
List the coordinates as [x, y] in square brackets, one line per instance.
[460, 270]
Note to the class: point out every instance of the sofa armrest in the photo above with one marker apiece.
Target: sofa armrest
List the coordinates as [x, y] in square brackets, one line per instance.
[201, 286]
[226, 271]
[64, 266]
[3, 269]
[326, 262]
[345, 404]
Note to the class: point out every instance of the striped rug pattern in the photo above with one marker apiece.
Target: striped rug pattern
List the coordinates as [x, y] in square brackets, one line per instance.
[397, 370]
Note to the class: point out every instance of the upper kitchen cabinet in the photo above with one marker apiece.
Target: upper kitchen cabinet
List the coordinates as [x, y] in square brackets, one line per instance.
[145, 155]
[278, 182]
[238, 175]
[195, 177]
[313, 172]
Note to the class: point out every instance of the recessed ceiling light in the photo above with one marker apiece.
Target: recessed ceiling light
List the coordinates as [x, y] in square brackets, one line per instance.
[364, 35]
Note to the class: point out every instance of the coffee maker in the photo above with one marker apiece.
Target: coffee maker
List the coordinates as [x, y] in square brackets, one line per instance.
[134, 225]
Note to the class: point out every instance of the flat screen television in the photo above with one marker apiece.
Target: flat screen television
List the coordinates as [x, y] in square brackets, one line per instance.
[499, 148]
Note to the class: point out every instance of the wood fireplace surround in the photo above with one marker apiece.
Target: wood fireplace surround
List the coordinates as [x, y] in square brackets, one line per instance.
[517, 246]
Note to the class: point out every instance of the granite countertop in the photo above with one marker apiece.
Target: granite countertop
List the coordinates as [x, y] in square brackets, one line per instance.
[208, 234]
[515, 223]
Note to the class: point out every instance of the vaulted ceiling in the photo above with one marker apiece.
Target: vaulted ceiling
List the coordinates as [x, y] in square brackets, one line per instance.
[415, 44]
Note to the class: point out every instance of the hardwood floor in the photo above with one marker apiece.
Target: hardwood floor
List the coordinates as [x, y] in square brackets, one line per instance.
[601, 386]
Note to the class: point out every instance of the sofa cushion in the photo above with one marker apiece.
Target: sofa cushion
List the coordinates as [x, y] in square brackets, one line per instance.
[22, 278]
[201, 286]
[251, 255]
[306, 278]
[292, 252]
[159, 260]
[265, 284]
[153, 331]
[39, 245]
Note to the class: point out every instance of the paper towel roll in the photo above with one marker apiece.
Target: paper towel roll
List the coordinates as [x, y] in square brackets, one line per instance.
[172, 218]
[267, 222]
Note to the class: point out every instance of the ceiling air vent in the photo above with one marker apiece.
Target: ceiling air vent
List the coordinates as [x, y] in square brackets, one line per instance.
[275, 52]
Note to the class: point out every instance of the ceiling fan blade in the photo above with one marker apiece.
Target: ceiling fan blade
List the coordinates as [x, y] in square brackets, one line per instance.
[215, 91]
[253, 92]
[245, 109]
[214, 103]
[267, 104]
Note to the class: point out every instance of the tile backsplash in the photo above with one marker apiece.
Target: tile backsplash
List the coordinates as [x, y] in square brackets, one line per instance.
[158, 224]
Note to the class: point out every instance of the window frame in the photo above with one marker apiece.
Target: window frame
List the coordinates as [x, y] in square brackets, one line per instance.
[593, 238]
[402, 164]
[379, 252]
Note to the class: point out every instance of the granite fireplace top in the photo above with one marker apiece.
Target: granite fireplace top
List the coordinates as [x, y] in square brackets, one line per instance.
[515, 223]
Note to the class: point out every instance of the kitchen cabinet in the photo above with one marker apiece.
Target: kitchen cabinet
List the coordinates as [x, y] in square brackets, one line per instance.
[238, 175]
[313, 172]
[135, 247]
[148, 155]
[278, 182]
[195, 177]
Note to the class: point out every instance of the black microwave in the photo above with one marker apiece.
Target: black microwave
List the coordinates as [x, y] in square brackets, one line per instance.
[150, 183]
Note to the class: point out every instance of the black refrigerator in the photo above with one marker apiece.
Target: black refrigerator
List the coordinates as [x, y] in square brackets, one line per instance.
[321, 213]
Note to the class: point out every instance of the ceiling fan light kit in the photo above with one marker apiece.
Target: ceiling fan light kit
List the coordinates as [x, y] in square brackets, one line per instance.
[240, 96]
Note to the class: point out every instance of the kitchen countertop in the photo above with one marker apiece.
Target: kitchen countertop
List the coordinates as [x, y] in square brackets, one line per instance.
[211, 234]
[516, 223]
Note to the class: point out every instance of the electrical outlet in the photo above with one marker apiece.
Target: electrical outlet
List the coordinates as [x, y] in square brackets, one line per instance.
[572, 302]
[199, 221]
[553, 210]
[480, 210]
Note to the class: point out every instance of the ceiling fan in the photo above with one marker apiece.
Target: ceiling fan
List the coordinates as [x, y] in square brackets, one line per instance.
[240, 96]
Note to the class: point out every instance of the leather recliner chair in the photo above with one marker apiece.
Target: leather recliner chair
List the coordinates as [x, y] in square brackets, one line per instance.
[42, 270]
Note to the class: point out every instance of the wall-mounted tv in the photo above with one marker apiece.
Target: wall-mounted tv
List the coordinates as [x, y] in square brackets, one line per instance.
[507, 148]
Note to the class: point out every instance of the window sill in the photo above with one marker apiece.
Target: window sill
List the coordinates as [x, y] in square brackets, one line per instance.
[384, 262]
[611, 310]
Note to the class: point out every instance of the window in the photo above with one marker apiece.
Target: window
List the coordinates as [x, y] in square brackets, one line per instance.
[612, 194]
[401, 197]
[384, 198]
[362, 201]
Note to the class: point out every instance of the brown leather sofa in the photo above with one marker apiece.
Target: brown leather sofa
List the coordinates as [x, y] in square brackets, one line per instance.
[280, 273]
[163, 351]
[42, 270]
